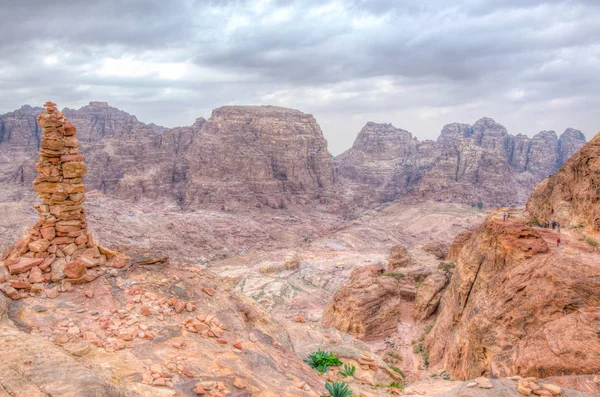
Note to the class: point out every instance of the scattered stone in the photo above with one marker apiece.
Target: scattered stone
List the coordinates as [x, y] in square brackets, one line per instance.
[208, 291]
[240, 383]
[553, 389]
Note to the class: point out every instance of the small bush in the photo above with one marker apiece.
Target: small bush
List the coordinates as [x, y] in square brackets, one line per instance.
[349, 370]
[321, 361]
[447, 268]
[398, 371]
[590, 240]
[423, 352]
[396, 385]
[445, 375]
[480, 204]
[397, 276]
[338, 389]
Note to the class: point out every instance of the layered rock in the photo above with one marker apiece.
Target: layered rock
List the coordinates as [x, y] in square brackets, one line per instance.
[518, 305]
[572, 195]
[367, 305]
[468, 164]
[59, 245]
[260, 155]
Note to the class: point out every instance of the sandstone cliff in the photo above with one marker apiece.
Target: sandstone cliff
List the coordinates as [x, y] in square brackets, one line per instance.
[467, 164]
[516, 304]
[258, 154]
[572, 195]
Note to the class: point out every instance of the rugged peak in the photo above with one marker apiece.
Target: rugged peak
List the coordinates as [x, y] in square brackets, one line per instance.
[384, 141]
[569, 143]
[570, 196]
[453, 134]
[97, 104]
[571, 133]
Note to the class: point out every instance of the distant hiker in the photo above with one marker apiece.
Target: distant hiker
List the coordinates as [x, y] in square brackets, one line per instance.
[553, 224]
[558, 242]
[558, 226]
[504, 215]
[547, 225]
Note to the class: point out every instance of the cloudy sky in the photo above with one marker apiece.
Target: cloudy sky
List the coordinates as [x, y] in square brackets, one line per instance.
[418, 64]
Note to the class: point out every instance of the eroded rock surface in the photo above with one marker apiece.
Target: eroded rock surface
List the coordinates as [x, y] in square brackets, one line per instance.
[572, 195]
[467, 164]
[517, 304]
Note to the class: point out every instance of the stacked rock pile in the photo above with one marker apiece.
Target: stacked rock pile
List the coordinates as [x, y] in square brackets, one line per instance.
[58, 247]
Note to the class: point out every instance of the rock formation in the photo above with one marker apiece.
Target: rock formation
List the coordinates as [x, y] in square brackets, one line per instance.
[368, 305]
[572, 195]
[467, 164]
[516, 304]
[262, 155]
[256, 155]
[59, 246]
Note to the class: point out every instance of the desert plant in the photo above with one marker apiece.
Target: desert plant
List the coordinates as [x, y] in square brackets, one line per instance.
[338, 389]
[445, 375]
[423, 352]
[447, 268]
[480, 204]
[398, 371]
[590, 240]
[397, 276]
[396, 385]
[349, 370]
[321, 361]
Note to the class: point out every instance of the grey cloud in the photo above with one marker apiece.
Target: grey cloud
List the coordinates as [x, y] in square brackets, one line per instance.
[528, 63]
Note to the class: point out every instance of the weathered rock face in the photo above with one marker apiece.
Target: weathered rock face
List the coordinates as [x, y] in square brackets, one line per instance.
[428, 296]
[467, 164]
[518, 305]
[59, 245]
[388, 159]
[572, 195]
[265, 154]
[368, 305]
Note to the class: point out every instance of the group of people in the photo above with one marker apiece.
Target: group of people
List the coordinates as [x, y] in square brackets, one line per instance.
[555, 225]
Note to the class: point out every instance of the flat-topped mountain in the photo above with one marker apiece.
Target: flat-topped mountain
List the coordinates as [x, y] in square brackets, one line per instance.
[467, 164]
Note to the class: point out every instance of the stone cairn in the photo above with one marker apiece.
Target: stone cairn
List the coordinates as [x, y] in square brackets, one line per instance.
[58, 250]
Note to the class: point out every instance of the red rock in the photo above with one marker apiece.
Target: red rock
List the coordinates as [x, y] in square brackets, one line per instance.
[35, 275]
[199, 389]
[20, 284]
[238, 345]
[299, 319]
[75, 269]
[208, 291]
[24, 264]
[48, 233]
[222, 341]
[62, 240]
[39, 245]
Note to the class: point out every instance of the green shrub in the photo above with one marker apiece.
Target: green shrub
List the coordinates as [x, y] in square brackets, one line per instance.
[397, 276]
[423, 352]
[590, 240]
[398, 371]
[445, 375]
[321, 361]
[480, 204]
[349, 370]
[338, 389]
[396, 385]
[447, 268]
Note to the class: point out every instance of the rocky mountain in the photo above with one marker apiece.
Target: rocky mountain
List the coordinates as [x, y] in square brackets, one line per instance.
[572, 195]
[467, 164]
[260, 155]
[525, 299]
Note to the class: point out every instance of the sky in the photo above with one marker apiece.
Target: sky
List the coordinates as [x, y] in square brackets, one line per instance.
[531, 65]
